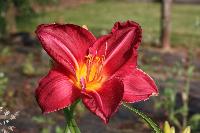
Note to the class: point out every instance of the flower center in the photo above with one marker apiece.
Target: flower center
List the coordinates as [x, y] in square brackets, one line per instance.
[90, 75]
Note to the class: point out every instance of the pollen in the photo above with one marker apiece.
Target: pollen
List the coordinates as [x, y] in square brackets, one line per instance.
[89, 75]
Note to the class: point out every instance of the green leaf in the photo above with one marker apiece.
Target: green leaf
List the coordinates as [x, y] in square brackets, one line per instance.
[194, 121]
[148, 120]
[71, 126]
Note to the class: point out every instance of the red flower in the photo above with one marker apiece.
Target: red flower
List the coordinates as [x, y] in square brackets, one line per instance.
[102, 72]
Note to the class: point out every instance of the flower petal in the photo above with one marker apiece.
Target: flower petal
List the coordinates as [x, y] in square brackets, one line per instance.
[119, 26]
[138, 86]
[104, 101]
[66, 44]
[118, 46]
[55, 91]
[128, 67]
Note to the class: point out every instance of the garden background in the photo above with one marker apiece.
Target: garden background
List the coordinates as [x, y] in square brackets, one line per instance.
[174, 65]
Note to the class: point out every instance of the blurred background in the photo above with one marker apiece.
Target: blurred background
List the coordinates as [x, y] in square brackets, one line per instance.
[170, 53]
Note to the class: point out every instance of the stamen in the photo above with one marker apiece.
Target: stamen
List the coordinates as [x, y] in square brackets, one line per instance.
[94, 66]
[88, 65]
[90, 75]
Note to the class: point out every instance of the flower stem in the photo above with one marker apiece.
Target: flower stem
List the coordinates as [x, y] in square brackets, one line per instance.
[148, 120]
[71, 126]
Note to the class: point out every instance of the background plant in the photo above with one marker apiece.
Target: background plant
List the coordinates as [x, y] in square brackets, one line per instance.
[3, 84]
[178, 114]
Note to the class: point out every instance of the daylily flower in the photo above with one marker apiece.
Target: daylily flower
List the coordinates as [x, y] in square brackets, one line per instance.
[101, 71]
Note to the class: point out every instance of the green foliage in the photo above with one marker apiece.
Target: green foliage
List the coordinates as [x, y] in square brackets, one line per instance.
[2, 26]
[194, 121]
[111, 0]
[45, 130]
[28, 67]
[47, 2]
[147, 119]
[168, 99]
[23, 7]
[59, 129]
[42, 120]
[5, 52]
[69, 113]
[168, 102]
[184, 31]
[3, 84]
[3, 6]
[2, 17]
